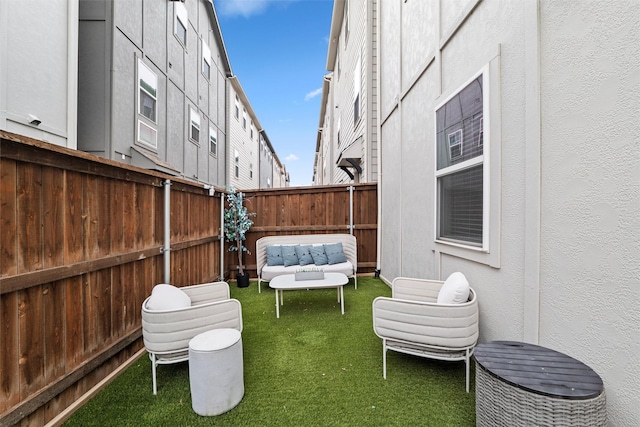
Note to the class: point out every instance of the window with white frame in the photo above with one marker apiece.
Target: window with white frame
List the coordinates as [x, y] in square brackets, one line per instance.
[147, 105]
[237, 163]
[194, 120]
[237, 108]
[213, 141]
[251, 170]
[251, 132]
[244, 119]
[462, 182]
[206, 60]
[357, 85]
[181, 23]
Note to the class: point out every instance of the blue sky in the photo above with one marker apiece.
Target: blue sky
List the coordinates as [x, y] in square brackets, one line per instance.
[278, 50]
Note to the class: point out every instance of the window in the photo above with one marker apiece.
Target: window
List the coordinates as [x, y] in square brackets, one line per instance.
[251, 170]
[147, 105]
[206, 61]
[244, 119]
[357, 85]
[237, 163]
[251, 132]
[461, 176]
[181, 23]
[213, 141]
[237, 110]
[147, 88]
[194, 119]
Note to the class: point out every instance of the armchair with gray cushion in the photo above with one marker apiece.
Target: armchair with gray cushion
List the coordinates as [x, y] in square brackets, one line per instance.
[428, 318]
[171, 316]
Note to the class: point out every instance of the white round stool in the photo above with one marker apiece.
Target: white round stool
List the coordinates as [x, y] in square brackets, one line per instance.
[216, 371]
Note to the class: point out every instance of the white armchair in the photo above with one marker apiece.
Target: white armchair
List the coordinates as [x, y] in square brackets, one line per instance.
[172, 316]
[413, 322]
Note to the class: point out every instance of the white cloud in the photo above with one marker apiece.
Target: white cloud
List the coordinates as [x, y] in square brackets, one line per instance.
[244, 8]
[313, 94]
[291, 157]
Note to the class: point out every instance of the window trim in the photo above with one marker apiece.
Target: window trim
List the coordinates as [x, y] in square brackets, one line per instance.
[206, 61]
[142, 119]
[194, 114]
[181, 17]
[483, 159]
[213, 141]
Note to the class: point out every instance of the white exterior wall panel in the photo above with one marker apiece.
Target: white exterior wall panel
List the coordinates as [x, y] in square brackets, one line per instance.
[563, 125]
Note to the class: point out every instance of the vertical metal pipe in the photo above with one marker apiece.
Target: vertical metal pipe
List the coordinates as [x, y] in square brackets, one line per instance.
[167, 231]
[221, 236]
[351, 209]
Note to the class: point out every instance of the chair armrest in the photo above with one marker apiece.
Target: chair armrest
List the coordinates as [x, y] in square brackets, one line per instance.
[416, 289]
[207, 292]
[431, 324]
[170, 330]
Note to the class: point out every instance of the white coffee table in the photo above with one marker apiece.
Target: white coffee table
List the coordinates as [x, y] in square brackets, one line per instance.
[289, 282]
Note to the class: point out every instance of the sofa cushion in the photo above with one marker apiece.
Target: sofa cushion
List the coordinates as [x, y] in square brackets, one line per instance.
[168, 297]
[318, 254]
[304, 255]
[289, 255]
[335, 253]
[455, 289]
[274, 255]
[269, 272]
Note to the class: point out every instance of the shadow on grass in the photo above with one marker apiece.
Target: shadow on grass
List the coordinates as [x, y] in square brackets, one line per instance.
[312, 366]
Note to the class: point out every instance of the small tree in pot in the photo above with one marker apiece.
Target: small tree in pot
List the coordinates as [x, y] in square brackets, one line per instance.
[236, 223]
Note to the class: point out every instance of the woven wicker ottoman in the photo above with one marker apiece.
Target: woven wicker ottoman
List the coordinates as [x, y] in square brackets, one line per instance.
[520, 384]
[216, 373]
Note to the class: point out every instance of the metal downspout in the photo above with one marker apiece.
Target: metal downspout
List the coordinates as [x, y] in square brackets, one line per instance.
[166, 249]
[221, 236]
[351, 210]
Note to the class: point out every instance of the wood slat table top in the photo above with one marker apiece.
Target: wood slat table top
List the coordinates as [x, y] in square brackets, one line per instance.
[538, 369]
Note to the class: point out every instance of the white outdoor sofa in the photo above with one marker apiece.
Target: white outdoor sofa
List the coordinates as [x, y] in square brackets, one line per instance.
[169, 322]
[267, 272]
[413, 322]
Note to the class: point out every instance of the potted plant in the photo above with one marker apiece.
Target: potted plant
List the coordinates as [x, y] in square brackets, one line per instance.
[236, 224]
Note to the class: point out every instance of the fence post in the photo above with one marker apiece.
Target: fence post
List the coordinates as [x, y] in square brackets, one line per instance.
[222, 266]
[351, 210]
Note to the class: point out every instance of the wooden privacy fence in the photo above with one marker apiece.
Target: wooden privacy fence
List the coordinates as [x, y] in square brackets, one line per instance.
[315, 210]
[82, 244]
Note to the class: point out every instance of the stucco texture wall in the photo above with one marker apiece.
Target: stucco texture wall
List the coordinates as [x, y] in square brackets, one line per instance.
[565, 104]
[590, 221]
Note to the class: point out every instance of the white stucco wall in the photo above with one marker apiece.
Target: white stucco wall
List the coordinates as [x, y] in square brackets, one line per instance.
[25, 89]
[563, 268]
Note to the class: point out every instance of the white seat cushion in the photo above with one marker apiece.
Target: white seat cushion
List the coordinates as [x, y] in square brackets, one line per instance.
[455, 289]
[271, 271]
[168, 297]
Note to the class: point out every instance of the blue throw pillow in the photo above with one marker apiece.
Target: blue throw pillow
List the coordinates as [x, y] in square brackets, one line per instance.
[289, 255]
[274, 255]
[319, 257]
[335, 254]
[304, 256]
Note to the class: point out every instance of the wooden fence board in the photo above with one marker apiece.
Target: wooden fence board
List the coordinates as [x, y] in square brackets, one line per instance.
[73, 222]
[29, 218]
[53, 216]
[9, 358]
[54, 345]
[8, 218]
[31, 342]
[74, 337]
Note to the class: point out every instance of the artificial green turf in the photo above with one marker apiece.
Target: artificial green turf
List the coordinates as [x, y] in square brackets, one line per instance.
[310, 367]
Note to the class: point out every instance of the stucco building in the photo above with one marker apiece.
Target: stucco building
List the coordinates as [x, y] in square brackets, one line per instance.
[509, 144]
